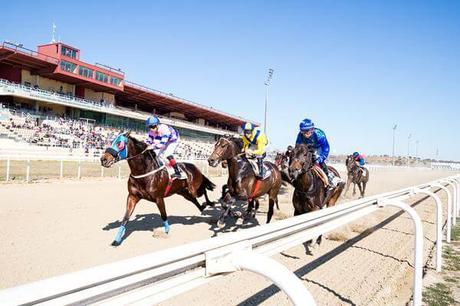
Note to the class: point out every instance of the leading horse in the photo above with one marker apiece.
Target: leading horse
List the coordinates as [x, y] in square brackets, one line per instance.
[151, 181]
[242, 183]
[311, 192]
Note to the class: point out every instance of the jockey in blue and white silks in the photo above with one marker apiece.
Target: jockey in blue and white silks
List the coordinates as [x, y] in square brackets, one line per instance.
[164, 140]
[316, 138]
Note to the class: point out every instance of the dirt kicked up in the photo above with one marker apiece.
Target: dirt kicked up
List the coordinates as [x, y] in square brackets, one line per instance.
[54, 227]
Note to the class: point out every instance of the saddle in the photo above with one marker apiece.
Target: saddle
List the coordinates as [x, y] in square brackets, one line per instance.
[320, 174]
[255, 167]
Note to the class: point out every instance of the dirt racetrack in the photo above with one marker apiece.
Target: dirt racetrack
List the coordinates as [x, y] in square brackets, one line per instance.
[53, 227]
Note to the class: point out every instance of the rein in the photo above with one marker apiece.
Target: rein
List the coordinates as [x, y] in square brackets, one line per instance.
[148, 173]
[131, 157]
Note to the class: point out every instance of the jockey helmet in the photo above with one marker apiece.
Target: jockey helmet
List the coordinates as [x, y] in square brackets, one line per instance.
[152, 121]
[248, 127]
[355, 154]
[306, 125]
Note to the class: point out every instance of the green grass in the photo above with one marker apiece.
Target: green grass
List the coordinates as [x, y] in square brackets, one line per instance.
[438, 295]
[456, 232]
[452, 259]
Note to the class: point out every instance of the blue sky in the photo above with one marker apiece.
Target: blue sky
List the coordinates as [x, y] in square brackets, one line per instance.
[355, 67]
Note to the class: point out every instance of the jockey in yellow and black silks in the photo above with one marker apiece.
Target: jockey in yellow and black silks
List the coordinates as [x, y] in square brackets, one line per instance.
[254, 143]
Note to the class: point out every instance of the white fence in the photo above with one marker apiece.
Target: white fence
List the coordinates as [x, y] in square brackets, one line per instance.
[67, 166]
[155, 277]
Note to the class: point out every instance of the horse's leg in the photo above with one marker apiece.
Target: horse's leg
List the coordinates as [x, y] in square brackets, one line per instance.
[221, 221]
[131, 202]
[354, 188]
[361, 189]
[162, 208]
[208, 201]
[188, 196]
[364, 188]
[271, 203]
[250, 208]
[277, 205]
[348, 186]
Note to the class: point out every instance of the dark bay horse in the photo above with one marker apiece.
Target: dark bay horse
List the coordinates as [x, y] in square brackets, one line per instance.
[282, 160]
[242, 183]
[356, 175]
[150, 181]
[310, 192]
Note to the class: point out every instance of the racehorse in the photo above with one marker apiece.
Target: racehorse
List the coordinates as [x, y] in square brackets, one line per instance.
[151, 181]
[282, 161]
[242, 184]
[311, 192]
[356, 175]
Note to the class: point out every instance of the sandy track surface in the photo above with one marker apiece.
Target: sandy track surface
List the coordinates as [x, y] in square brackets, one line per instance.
[56, 227]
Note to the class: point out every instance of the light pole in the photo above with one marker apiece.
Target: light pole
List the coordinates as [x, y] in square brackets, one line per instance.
[393, 155]
[267, 84]
[408, 148]
[416, 148]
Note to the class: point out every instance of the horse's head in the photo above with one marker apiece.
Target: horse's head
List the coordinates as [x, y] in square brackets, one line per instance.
[302, 160]
[225, 148]
[118, 150]
[349, 162]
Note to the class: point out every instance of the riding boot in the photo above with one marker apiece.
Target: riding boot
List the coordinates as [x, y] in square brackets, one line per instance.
[330, 175]
[260, 164]
[172, 163]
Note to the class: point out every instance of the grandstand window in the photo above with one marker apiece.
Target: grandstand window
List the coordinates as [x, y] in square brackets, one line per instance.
[86, 72]
[67, 66]
[102, 77]
[115, 81]
[68, 52]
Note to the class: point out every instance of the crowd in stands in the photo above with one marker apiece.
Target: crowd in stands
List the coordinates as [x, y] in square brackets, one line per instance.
[74, 134]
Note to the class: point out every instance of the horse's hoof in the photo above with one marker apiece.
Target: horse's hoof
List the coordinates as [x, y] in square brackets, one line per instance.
[115, 243]
[220, 224]
[237, 214]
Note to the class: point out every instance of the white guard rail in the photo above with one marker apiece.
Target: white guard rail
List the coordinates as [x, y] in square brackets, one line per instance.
[155, 277]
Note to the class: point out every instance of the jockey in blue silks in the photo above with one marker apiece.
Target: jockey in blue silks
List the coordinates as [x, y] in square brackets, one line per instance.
[316, 138]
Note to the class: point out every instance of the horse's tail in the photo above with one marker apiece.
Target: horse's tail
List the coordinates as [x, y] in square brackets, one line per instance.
[207, 184]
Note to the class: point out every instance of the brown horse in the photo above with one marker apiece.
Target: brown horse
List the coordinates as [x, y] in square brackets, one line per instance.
[150, 181]
[356, 175]
[242, 184]
[282, 160]
[310, 192]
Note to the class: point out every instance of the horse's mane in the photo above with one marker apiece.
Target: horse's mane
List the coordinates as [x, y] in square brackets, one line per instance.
[236, 140]
[137, 143]
[140, 146]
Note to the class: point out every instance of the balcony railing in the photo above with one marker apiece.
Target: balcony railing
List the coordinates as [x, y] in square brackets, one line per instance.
[7, 87]
[19, 48]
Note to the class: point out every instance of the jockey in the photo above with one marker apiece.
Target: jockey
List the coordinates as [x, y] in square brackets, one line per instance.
[163, 140]
[359, 159]
[254, 142]
[316, 138]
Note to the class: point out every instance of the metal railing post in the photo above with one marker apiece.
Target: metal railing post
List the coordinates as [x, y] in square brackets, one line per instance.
[8, 169]
[438, 225]
[457, 193]
[418, 251]
[454, 200]
[281, 276]
[28, 171]
[79, 170]
[61, 170]
[449, 210]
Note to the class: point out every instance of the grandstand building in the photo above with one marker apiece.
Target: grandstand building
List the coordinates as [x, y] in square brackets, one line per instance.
[54, 81]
